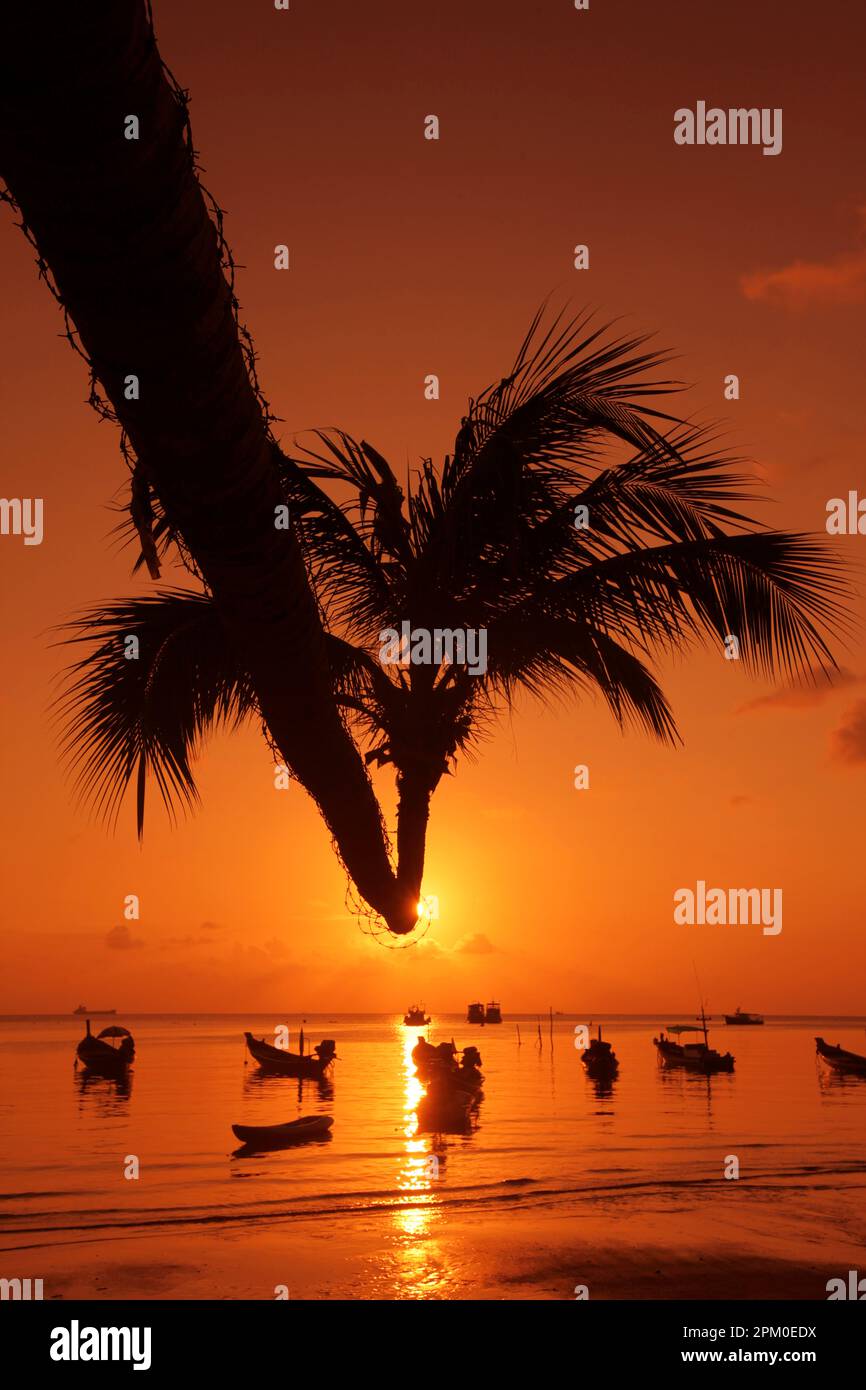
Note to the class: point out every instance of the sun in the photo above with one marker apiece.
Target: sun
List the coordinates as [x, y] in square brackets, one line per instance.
[428, 908]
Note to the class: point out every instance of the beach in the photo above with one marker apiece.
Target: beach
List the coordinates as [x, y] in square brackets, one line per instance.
[628, 1254]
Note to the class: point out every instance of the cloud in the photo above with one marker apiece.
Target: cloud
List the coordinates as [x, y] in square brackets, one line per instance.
[740, 800]
[476, 945]
[841, 280]
[213, 926]
[121, 939]
[802, 696]
[429, 949]
[848, 742]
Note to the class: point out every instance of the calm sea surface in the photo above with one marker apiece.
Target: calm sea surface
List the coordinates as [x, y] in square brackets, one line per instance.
[545, 1134]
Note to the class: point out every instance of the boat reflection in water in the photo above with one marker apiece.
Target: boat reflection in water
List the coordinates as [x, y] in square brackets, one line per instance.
[102, 1095]
[258, 1082]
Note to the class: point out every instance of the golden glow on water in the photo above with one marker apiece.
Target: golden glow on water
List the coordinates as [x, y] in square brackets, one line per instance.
[414, 1174]
[416, 1266]
[416, 1170]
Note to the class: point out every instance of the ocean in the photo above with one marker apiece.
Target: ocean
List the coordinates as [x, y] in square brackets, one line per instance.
[643, 1159]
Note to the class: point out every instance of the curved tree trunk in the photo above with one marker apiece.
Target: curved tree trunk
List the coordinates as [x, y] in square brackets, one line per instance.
[413, 812]
[124, 229]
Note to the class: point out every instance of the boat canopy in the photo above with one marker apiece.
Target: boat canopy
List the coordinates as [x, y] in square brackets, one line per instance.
[115, 1031]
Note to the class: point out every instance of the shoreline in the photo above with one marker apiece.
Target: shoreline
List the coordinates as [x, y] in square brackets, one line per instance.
[645, 1254]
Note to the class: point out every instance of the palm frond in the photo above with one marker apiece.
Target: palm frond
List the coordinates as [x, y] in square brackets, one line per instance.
[352, 582]
[544, 653]
[128, 715]
[777, 594]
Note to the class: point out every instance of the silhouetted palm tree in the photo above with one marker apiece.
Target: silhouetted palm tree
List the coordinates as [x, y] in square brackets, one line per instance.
[488, 541]
[132, 247]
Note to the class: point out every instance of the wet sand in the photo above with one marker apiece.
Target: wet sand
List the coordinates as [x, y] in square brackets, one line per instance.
[653, 1254]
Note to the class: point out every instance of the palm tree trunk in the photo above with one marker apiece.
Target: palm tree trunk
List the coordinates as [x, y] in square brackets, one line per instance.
[413, 813]
[124, 229]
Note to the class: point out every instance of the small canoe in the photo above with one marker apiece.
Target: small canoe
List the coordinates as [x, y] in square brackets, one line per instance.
[276, 1136]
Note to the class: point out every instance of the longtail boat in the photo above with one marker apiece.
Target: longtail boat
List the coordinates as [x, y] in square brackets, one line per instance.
[599, 1058]
[439, 1065]
[695, 1056]
[280, 1062]
[851, 1063]
[107, 1058]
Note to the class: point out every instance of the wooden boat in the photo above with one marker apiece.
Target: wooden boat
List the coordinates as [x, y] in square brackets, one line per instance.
[599, 1058]
[439, 1066]
[741, 1020]
[475, 1013]
[283, 1063]
[281, 1136]
[851, 1063]
[415, 1017]
[107, 1058]
[696, 1056]
[493, 1013]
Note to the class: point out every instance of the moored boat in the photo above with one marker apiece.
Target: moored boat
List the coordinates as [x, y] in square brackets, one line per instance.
[599, 1058]
[493, 1013]
[280, 1136]
[744, 1020]
[439, 1065]
[277, 1060]
[836, 1057]
[694, 1056]
[109, 1054]
[415, 1017]
[475, 1013]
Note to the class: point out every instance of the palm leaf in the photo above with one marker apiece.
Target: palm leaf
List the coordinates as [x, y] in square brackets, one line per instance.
[147, 716]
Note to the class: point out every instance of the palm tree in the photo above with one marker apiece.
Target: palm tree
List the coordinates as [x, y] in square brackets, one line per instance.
[132, 247]
[489, 541]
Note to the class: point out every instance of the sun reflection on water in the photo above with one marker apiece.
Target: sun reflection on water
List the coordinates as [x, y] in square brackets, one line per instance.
[417, 1269]
[416, 1171]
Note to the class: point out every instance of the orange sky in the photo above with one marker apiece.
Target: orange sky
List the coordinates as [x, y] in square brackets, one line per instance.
[411, 257]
